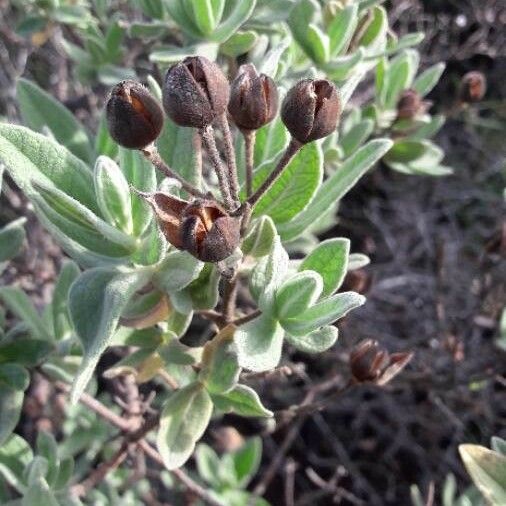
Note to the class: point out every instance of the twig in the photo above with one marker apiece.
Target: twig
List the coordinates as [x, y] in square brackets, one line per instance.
[246, 318]
[290, 151]
[229, 299]
[152, 154]
[221, 173]
[230, 157]
[249, 146]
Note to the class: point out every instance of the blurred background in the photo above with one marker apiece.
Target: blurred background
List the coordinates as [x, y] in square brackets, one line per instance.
[436, 284]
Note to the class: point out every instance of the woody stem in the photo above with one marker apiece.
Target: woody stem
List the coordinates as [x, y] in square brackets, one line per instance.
[210, 143]
[249, 145]
[230, 157]
[152, 154]
[290, 151]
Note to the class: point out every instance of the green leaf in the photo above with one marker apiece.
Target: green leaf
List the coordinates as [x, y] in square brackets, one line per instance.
[40, 494]
[183, 421]
[374, 37]
[20, 305]
[398, 80]
[204, 290]
[203, 15]
[239, 43]
[342, 28]
[11, 402]
[68, 274]
[259, 343]
[177, 12]
[104, 144]
[32, 157]
[24, 351]
[426, 81]
[96, 301]
[270, 141]
[15, 455]
[317, 44]
[208, 464]
[488, 471]
[357, 261]
[247, 460]
[296, 294]
[498, 445]
[113, 194]
[12, 237]
[294, 189]
[177, 271]
[47, 448]
[327, 311]
[243, 401]
[317, 341]
[429, 129]
[141, 175]
[356, 136]
[175, 352]
[330, 260]
[335, 187]
[40, 110]
[240, 12]
[259, 240]
[303, 13]
[220, 369]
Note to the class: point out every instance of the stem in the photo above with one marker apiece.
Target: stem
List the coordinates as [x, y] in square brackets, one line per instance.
[229, 298]
[290, 151]
[210, 143]
[152, 154]
[230, 157]
[245, 319]
[249, 144]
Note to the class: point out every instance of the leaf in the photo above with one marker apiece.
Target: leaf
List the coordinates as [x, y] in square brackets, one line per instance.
[426, 81]
[327, 311]
[259, 343]
[177, 271]
[203, 15]
[317, 44]
[177, 12]
[104, 144]
[242, 400]
[342, 28]
[294, 189]
[32, 157]
[96, 301]
[357, 261]
[11, 402]
[40, 494]
[20, 305]
[208, 464]
[113, 194]
[24, 351]
[12, 237]
[68, 274]
[330, 260]
[239, 14]
[259, 240]
[141, 175]
[303, 13]
[247, 460]
[356, 136]
[488, 471]
[220, 369]
[335, 187]
[40, 110]
[204, 290]
[498, 445]
[374, 37]
[271, 139]
[296, 294]
[183, 421]
[15, 455]
[239, 43]
[317, 341]
[14, 376]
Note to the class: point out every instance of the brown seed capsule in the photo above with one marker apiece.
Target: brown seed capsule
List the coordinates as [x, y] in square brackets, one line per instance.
[253, 99]
[195, 92]
[473, 87]
[410, 105]
[311, 109]
[371, 363]
[200, 227]
[134, 117]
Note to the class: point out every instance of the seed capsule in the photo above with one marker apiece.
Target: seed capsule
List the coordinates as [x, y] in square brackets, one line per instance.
[311, 110]
[473, 87]
[253, 99]
[195, 92]
[134, 117]
[410, 105]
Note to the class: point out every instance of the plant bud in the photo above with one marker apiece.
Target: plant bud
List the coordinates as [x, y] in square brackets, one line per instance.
[134, 117]
[473, 87]
[195, 92]
[201, 227]
[253, 99]
[371, 363]
[410, 105]
[311, 110]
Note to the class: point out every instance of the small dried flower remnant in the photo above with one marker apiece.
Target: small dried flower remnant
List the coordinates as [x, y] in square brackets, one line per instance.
[195, 92]
[134, 117]
[371, 363]
[311, 110]
[473, 87]
[200, 227]
[253, 99]
[410, 105]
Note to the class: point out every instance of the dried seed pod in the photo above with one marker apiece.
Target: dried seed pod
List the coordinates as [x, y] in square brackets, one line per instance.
[201, 227]
[253, 99]
[473, 87]
[311, 110]
[409, 105]
[134, 117]
[195, 92]
[371, 363]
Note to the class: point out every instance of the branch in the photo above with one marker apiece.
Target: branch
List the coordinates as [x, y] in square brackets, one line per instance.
[249, 146]
[230, 157]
